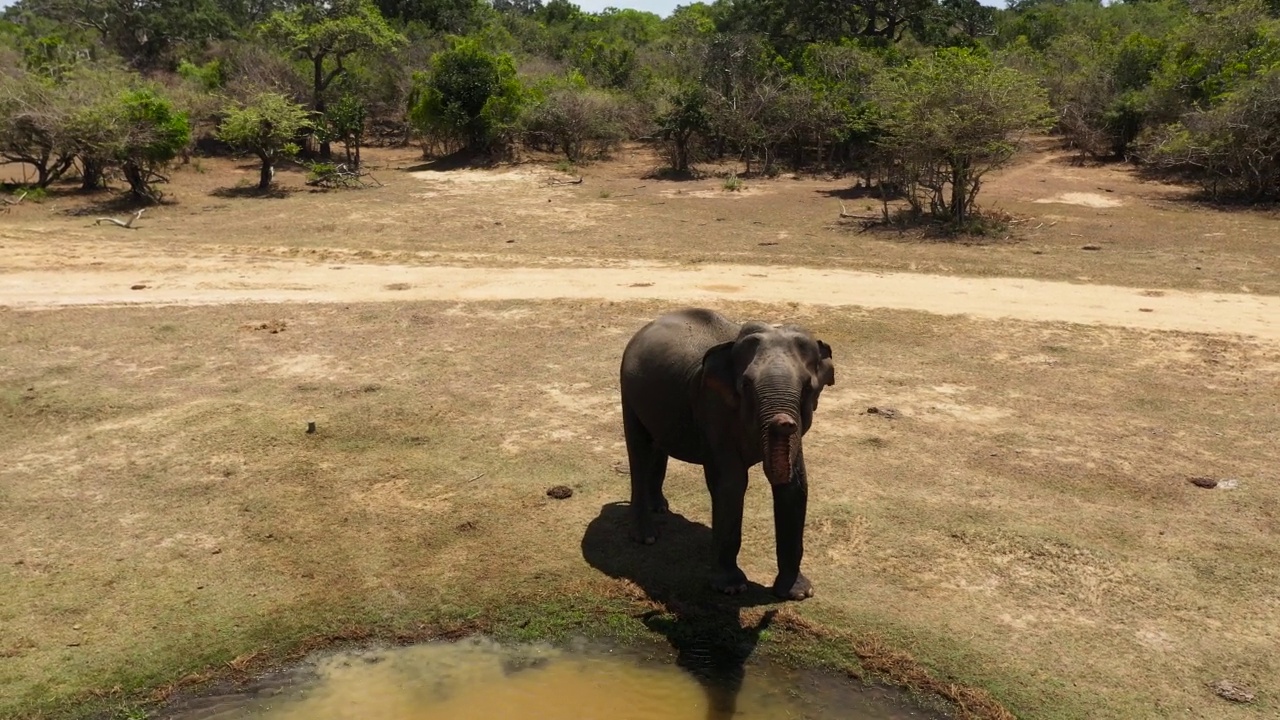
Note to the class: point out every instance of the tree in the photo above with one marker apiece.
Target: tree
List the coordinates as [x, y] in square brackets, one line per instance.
[143, 32]
[154, 134]
[134, 130]
[344, 122]
[441, 16]
[470, 95]
[950, 118]
[91, 90]
[34, 113]
[684, 121]
[789, 23]
[325, 34]
[266, 127]
[844, 115]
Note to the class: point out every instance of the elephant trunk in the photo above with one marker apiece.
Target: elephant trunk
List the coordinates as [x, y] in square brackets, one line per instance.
[779, 420]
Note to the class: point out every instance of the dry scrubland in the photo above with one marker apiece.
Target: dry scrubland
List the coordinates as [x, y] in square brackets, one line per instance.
[1025, 526]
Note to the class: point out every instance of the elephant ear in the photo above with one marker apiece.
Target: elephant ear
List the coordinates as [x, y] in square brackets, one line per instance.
[826, 366]
[717, 373]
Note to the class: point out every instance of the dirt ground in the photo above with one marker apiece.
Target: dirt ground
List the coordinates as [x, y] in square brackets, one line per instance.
[1026, 524]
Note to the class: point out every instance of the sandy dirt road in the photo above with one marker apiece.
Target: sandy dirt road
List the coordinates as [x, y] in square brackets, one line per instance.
[204, 280]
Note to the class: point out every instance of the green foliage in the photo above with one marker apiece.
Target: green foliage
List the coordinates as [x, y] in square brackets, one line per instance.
[344, 121]
[695, 20]
[1232, 149]
[266, 127]
[146, 34]
[685, 121]
[952, 117]
[318, 171]
[839, 77]
[470, 96]
[439, 16]
[208, 77]
[326, 35]
[608, 61]
[1214, 53]
[320, 31]
[153, 133]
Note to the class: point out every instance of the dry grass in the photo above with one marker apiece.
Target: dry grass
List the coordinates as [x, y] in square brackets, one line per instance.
[1025, 527]
[1149, 234]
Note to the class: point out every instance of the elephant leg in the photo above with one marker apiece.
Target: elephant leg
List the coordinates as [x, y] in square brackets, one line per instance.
[790, 503]
[657, 501]
[728, 489]
[648, 467]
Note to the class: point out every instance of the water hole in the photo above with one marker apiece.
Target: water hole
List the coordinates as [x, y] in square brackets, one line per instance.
[478, 679]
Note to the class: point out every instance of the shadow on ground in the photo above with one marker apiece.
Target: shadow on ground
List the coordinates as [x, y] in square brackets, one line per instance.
[703, 626]
[458, 160]
[252, 192]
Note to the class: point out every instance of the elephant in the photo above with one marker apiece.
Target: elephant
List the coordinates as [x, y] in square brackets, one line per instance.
[707, 391]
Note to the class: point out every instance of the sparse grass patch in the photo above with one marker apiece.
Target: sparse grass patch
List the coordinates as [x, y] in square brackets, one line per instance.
[191, 521]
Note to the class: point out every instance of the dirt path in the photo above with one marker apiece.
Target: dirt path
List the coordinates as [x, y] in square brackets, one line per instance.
[214, 280]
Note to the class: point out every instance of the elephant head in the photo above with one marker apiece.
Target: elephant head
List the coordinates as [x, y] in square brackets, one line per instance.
[770, 376]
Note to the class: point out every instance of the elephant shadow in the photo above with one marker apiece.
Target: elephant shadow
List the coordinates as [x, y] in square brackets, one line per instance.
[703, 626]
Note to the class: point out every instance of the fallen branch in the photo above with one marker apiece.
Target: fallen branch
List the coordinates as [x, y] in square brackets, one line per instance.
[341, 176]
[21, 195]
[844, 213]
[126, 225]
[555, 181]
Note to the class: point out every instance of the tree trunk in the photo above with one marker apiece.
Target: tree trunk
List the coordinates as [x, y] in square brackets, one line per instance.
[266, 173]
[90, 175]
[959, 182]
[138, 185]
[326, 152]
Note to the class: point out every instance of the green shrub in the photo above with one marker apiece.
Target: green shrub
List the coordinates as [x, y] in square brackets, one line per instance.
[470, 96]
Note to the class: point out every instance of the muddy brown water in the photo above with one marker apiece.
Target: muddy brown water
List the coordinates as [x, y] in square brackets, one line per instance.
[478, 679]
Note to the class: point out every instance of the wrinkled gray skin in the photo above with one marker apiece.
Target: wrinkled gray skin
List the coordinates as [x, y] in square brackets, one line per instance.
[703, 390]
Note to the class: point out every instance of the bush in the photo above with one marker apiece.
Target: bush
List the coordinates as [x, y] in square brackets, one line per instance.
[1232, 149]
[210, 76]
[470, 96]
[344, 121]
[580, 122]
[682, 124]
[34, 117]
[1100, 90]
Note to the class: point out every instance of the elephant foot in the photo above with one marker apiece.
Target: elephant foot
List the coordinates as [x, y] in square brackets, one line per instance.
[643, 529]
[644, 532]
[798, 590]
[660, 505]
[729, 582]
